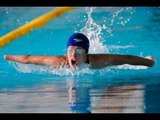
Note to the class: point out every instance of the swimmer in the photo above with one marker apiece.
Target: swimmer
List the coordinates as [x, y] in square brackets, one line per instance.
[77, 54]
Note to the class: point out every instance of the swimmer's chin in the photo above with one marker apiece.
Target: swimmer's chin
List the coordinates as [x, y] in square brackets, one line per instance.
[73, 66]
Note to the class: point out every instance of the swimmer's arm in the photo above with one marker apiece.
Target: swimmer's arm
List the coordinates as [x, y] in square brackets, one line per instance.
[103, 60]
[41, 60]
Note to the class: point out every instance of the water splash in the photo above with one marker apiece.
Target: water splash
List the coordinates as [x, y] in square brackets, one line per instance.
[117, 16]
[120, 47]
[40, 69]
[134, 67]
[93, 31]
[83, 70]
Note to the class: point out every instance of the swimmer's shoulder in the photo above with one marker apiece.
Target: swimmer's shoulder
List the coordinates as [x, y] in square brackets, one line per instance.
[60, 59]
[93, 59]
[98, 60]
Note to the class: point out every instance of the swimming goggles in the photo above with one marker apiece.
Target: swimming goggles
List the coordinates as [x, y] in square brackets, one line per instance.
[78, 51]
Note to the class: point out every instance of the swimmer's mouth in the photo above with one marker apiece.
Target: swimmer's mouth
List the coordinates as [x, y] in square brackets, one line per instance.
[73, 61]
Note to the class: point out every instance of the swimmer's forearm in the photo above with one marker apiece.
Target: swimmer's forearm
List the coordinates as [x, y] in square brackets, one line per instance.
[28, 59]
[41, 60]
[17, 58]
[103, 60]
[133, 60]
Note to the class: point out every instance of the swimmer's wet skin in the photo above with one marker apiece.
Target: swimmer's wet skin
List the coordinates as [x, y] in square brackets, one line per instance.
[77, 54]
[95, 61]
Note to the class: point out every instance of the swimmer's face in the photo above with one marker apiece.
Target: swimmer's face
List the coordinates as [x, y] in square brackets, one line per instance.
[76, 56]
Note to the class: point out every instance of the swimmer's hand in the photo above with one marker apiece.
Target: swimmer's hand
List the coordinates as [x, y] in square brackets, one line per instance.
[5, 56]
[151, 58]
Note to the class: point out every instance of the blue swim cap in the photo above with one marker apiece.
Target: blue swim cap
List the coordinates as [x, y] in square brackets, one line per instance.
[80, 40]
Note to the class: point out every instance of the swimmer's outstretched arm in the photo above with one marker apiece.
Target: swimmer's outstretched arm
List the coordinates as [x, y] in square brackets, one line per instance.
[41, 60]
[103, 60]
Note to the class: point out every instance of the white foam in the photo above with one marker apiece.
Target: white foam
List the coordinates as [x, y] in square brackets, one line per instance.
[120, 47]
[133, 67]
[40, 69]
[93, 31]
[80, 71]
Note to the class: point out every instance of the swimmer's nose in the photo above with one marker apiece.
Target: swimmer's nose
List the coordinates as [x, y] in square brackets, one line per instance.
[74, 53]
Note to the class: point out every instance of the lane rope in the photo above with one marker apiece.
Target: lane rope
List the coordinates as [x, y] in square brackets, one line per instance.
[34, 24]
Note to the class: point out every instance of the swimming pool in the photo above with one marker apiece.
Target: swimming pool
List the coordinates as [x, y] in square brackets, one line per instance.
[120, 89]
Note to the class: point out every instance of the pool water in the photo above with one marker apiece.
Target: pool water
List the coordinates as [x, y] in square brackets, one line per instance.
[28, 88]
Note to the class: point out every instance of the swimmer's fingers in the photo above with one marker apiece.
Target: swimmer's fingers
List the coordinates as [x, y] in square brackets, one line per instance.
[149, 57]
[63, 64]
[57, 67]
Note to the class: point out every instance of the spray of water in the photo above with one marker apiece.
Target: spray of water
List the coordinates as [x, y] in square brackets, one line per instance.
[83, 70]
[93, 31]
[40, 69]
